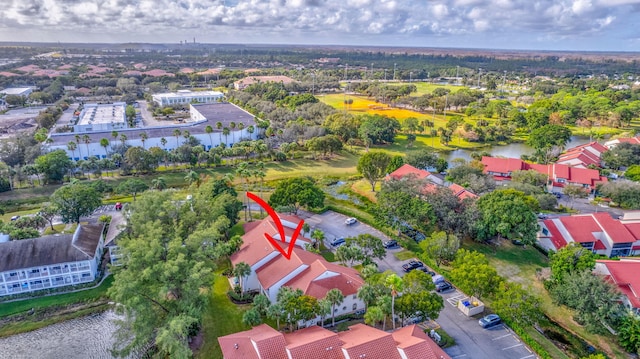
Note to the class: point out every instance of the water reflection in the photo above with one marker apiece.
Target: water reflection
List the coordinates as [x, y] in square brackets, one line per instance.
[88, 337]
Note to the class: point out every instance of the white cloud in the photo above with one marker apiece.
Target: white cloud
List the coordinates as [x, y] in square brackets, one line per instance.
[335, 20]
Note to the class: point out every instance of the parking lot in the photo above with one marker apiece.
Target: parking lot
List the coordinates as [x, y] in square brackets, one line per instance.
[472, 341]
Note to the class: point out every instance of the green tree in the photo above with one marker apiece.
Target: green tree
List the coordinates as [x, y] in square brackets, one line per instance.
[529, 177]
[594, 300]
[49, 212]
[422, 159]
[473, 275]
[372, 166]
[297, 192]
[378, 129]
[396, 285]
[395, 163]
[417, 281]
[510, 214]
[251, 317]
[629, 333]
[130, 114]
[275, 311]
[516, 305]
[368, 293]
[625, 193]
[132, 187]
[140, 160]
[574, 191]
[547, 138]
[633, 173]
[571, 258]
[159, 183]
[370, 246]
[441, 246]
[334, 297]
[74, 201]
[348, 254]
[54, 165]
[261, 303]
[423, 305]
[104, 142]
[399, 206]
[623, 155]
[373, 316]
[324, 309]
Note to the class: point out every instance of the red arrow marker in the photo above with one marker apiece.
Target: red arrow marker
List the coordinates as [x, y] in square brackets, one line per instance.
[276, 220]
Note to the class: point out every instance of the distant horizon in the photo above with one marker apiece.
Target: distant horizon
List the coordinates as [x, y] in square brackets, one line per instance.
[284, 45]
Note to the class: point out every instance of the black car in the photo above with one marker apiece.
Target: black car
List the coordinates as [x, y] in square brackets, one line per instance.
[426, 270]
[489, 321]
[390, 243]
[414, 264]
[443, 286]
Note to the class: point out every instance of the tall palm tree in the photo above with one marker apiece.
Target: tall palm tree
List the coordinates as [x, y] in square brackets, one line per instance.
[225, 132]
[219, 127]
[394, 283]
[143, 137]
[240, 128]
[209, 130]
[192, 177]
[163, 142]
[186, 134]
[242, 271]
[251, 130]
[335, 297]
[71, 146]
[123, 139]
[114, 134]
[87, 140]
[104, 142]
[244, 172]
[232, 126]
[177, 133]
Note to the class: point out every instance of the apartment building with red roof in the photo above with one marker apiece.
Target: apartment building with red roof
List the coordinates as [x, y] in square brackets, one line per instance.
[306, 271]
[431, 180]
[598, 232]
[583, 156]
[617, 141]
[559, 175]
[625, 274]
[360, 341]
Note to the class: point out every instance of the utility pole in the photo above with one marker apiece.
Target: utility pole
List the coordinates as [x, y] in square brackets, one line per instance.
[394, 71]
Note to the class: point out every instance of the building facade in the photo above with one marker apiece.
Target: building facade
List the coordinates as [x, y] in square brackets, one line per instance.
[101, 117]
[30, 265]
[186, 97]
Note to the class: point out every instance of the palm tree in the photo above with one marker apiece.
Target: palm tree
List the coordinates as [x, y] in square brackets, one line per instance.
[192, 177]
[244, 172]
[240, 128]
[232, 126]
[71, 146]
[368, 294]
[123, 139]
[143, 137]
[373, 316]
[275, 311]
[225, 132]
[209, 130]
[104, 142]
[260, 173]
[87, 140]
[163, 142]
[186, 134]
[241, 271]
[251, 129]
[219, 127]
[335, 297]
[159, 183]
[114, 134]
[394, 283]
[324, 307]
[317, 236]
[177, 133]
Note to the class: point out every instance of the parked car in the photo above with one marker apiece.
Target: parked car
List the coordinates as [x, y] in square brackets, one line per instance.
[413, 264]
[443, 286]
[350, 221]
[428, 271]
[490, 321]
[338, 242]
[390, 243]
[15, 218]
[542, 216]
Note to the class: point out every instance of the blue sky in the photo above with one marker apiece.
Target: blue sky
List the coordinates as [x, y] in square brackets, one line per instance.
[597, 25]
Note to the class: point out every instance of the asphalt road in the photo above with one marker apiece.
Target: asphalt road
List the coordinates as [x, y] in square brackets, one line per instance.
[472, 341]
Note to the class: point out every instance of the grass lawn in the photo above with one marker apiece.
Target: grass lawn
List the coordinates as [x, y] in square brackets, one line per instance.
[428, 87]
[222, 317]
[363, 187]
[7, 309]
[404, 255]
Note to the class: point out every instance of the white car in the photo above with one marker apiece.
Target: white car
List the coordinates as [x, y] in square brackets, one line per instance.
[350, 221]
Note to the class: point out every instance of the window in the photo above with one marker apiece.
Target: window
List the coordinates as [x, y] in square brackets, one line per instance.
[355, 296]
[35, 270]
[355, 306]
[344, 308]
[545, 231]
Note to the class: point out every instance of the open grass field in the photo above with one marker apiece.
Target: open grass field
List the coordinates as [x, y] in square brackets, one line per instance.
[428, 87]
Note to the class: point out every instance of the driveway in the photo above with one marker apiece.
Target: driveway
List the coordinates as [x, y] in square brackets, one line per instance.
[472, 341]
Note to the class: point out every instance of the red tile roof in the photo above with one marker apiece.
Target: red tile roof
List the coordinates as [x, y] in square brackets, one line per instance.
[632, 140]
[499, 165]
[617, 231]
[461, 192]
[554, 234]
[626, 275]
[313, 342]
[416, 344]
[409, 170]
[363, 341]
[581, 227]
[242, 345]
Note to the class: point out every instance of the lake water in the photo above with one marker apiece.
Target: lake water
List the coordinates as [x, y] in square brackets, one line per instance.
[513, 150]
[88, 337]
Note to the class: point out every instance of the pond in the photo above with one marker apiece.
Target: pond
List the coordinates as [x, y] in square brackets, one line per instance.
[513, 150]
[87, 337]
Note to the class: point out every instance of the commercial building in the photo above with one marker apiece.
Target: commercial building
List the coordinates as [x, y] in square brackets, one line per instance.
[34, 264]
[17, 91]
[359, 341]
[101, 117]
[187, 97]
